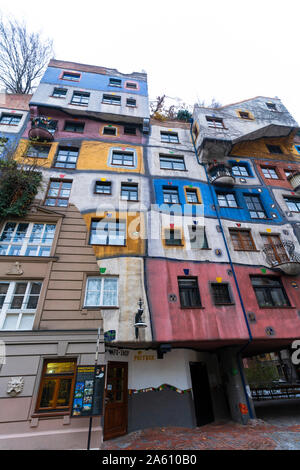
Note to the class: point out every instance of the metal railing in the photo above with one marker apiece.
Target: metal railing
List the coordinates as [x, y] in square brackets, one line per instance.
[280, 253]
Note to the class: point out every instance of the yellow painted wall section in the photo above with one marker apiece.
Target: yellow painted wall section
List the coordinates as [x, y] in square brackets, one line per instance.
[95, 156]
[135, 233]
[21, 151]
[258, 149]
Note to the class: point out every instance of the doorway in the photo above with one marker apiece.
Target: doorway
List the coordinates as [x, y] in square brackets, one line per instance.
[116, 397]
[201, 392]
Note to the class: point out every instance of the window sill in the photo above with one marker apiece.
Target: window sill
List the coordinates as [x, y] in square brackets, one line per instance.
[275, 308]
[192, 308]
[38, 259]
[79, 104]
[112, 104]
[102, 307]
[50, 414]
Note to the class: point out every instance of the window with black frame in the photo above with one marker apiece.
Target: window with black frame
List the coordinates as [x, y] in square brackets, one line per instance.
[269, 292]
[189, 292]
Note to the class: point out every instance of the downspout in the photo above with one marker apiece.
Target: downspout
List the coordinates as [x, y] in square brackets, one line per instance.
[234, 276]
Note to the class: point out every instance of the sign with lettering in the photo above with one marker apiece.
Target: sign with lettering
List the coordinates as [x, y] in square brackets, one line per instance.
[89, 391]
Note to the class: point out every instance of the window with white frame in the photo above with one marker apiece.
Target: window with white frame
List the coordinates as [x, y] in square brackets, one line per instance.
[26, 239]
[101, 292]
[18, 304]
[108, 232]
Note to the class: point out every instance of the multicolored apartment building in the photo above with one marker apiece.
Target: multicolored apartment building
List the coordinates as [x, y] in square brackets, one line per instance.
[178, 241]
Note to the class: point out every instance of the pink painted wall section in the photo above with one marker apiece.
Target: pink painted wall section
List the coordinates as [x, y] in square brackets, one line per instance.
[285, 321]
[93, 129]
[216, 323]
[210, 323]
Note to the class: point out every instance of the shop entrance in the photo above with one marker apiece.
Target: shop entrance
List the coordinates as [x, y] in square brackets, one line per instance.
[201, 392]
[116, 394]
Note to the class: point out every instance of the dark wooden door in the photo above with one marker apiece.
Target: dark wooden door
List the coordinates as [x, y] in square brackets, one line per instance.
[116, 397]
[201, 392]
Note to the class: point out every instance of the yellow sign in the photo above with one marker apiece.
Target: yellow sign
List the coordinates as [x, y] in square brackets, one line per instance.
[143, 357]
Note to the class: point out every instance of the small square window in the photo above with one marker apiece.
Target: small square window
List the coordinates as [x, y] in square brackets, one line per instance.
[80, 98]
[109, 130]
[72, 76]
[220, 294]
[131, 85]
[192, 196]
[171, 163]
[189, 292]
[198, 237]
[74, 126]
[38, 151]
[129, 192]
[66, 157]
[115, 82]
[131, 102]
[111, 99]
[271, 106]
[269, 173]
[255, 207]
[58, 193]
[215, 122]
[170, 195]
[59, 93]
[244, 115]
[227, 200]
[122, 158]
[10, 119]
[293, 204]
[169, 137]
[239, 170]
[103, 187]
[173, 237]
[274, 148]
[129, 130]
[242, 240]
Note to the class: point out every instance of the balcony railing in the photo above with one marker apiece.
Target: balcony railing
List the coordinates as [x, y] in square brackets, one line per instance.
[294, 179]
[220, 173]
[42, 129]
[283, 256]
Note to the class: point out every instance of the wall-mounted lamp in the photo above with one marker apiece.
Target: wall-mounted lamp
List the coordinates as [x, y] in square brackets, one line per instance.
[138, 319]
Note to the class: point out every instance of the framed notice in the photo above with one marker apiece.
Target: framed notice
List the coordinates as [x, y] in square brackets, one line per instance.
[89, 391]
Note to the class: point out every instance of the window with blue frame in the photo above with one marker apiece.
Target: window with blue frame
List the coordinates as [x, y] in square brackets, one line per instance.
[255, 207]
[297, 147]
[171, 195]
[227, 200]
[240, 170]
[115, 82]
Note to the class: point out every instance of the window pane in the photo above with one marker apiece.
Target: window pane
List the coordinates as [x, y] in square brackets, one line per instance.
[64, 390]
[110, 292]
[93, 292]
[26, 322]
[48, 394]
[10, 322]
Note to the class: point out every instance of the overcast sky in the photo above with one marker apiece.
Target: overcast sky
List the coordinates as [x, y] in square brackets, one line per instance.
[229, 50]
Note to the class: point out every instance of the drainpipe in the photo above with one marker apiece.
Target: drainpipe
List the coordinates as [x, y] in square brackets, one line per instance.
[234, 276]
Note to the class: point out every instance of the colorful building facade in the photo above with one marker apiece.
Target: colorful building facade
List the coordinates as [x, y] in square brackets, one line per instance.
[178, 241]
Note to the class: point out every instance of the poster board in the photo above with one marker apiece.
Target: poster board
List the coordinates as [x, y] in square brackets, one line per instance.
[88, 396]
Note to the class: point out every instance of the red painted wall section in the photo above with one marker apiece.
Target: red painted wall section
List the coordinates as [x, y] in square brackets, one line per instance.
[285, 321]
[216, 323]
[92, 128]
[210, 323]
[282, 180]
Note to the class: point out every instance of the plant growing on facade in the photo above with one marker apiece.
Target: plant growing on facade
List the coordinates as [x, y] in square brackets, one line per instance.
[19, 183]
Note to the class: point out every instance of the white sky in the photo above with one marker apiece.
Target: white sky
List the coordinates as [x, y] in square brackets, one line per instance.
[229, 50]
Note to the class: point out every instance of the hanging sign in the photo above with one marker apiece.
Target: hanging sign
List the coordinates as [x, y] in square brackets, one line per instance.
[89, 391]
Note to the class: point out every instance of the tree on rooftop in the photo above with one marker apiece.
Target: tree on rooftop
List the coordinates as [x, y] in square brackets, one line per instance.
[23, 56]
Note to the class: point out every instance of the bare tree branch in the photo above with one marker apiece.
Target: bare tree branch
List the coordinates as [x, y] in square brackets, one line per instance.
[23, 56]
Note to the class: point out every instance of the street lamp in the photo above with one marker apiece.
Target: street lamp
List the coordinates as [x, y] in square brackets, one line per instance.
[138, 319]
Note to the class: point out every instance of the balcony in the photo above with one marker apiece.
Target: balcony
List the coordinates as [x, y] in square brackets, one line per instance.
[220, 173]
[42, 129]
[283, 257]
[294, 179]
